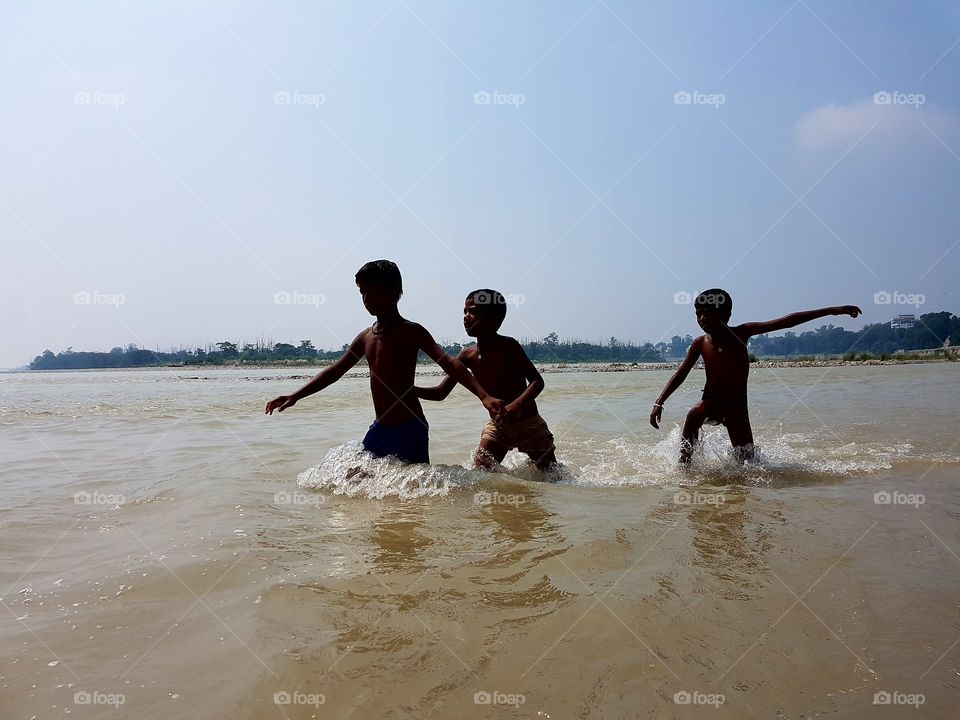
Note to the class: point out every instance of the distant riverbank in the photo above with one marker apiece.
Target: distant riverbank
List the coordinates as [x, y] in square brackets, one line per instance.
[428, 368]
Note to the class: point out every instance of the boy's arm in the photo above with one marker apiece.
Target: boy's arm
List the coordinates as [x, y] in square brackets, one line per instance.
[438, 392]
[457, 370]
[794, 319]
[534, 380]
[677, 380]
[322, 379]
[441, 391]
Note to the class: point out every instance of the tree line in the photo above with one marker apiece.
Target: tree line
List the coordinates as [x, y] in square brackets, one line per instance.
[931, 330]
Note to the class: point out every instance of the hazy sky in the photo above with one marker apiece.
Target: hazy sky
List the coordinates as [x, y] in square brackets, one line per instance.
[169, 168]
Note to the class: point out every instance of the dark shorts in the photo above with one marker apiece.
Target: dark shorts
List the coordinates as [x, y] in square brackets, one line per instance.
[724, 411]
[408, 442]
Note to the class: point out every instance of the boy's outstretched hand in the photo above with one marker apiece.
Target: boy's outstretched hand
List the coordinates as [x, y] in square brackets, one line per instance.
[851, 310]
[655, 416]
[280, 404]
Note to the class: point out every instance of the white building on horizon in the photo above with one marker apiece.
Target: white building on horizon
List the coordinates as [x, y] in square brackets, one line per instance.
[903, 322]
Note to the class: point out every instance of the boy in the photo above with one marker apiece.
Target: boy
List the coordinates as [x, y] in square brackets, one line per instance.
[500, 364]
[726, 363]
[390, 346]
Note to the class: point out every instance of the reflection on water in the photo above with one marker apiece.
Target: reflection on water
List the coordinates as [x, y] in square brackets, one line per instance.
[400, 546]
[220, 581]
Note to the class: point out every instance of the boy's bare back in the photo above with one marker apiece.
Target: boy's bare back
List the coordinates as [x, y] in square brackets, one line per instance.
[391, 353]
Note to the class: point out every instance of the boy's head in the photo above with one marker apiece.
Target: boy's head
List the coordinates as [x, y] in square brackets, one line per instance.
[380, 286]
[483, 312]
[713, 306]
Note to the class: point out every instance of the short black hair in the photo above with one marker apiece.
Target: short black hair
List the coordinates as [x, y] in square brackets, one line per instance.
[381, 272]
[716, 301]
[492, 303]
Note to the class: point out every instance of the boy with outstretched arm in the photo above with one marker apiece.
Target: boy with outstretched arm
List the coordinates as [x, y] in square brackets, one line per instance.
[391, 346]
[501, 366]
[726, 363]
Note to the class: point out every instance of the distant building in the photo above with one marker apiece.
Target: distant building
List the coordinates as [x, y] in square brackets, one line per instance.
[903, 322]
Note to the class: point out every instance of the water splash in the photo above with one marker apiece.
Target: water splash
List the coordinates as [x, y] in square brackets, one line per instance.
[349, 470]
[779, 459]
[617, 461]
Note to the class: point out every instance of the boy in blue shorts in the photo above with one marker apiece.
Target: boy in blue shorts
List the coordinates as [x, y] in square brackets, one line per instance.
[391, 346]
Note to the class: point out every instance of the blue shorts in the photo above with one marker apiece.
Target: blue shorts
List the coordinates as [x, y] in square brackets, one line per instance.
[408, 441]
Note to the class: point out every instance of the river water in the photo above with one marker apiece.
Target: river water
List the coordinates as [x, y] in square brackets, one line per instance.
[169, 551]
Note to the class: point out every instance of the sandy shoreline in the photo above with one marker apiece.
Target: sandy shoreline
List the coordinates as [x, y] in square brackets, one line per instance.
[430, 370]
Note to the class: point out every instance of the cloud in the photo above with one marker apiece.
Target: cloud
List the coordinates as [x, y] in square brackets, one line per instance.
[895, 118]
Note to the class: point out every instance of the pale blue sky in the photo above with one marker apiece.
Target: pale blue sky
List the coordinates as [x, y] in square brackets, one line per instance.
[147, 159]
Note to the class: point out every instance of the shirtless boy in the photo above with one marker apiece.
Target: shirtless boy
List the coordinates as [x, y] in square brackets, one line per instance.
[726, 363]
[501, 366]
[391, 346]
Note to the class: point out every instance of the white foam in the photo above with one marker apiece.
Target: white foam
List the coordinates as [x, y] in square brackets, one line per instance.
[616, 461]
[629, 461]
[374, 477]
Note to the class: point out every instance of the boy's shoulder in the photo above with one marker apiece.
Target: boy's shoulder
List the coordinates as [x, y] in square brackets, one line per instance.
[510, 344]
[403, 326]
